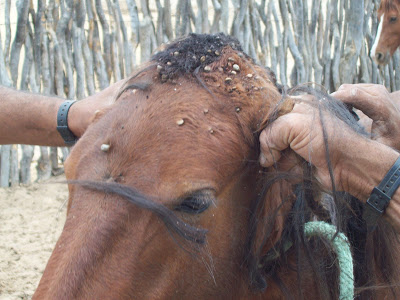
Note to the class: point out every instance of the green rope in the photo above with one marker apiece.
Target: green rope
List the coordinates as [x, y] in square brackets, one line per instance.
[341, 246]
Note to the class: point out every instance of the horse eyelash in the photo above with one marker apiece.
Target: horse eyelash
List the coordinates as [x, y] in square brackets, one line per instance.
[195, 203]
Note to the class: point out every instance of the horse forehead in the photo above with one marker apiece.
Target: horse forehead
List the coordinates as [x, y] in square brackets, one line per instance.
[185, 129]
[389, 7]
[187, 109]
[164, 135]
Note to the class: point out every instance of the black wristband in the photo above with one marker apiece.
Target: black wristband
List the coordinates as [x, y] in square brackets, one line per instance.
[381, 195]
[62, 123]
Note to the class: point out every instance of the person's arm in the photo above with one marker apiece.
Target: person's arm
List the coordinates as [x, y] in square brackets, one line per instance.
[359, 164]
[27, 118]
[365, 169]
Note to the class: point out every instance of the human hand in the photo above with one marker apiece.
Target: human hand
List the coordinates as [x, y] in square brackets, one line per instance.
[358, 164]
[83, 111]
[378, 104]
[301, 130]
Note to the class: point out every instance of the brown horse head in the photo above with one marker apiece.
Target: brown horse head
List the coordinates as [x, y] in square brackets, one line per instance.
[173, 168]
[167, 198]
[387, 39]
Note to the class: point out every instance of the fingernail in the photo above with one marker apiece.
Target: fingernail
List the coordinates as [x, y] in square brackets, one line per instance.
[262, 159]
[353, 92]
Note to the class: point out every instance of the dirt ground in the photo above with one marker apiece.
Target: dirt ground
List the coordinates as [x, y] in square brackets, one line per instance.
[31, 220]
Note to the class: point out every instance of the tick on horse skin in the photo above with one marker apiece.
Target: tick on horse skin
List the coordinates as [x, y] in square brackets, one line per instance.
[105, 147]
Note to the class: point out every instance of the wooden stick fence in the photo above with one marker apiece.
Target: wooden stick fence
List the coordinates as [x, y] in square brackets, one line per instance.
[73, 48]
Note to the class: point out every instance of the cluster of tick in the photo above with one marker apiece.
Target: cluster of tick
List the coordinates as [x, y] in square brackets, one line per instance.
[192, 54]
[195, 63]
[233, 73]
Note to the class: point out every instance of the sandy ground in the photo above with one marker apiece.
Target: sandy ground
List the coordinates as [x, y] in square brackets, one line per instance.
[31, 220]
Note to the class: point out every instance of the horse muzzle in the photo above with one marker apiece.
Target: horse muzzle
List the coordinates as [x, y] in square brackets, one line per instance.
[381, 58]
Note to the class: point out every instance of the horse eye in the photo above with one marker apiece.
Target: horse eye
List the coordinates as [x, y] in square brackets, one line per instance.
[195, 203]
[393, 19]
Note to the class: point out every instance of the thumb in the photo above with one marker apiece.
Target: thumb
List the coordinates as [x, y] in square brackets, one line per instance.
[372, 100]
[274, 139]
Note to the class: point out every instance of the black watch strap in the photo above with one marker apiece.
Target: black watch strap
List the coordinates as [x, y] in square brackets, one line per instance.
[381, 195]
[62, 123]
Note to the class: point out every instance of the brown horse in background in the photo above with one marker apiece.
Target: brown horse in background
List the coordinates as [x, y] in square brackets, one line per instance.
[387, 38]
[168, 200]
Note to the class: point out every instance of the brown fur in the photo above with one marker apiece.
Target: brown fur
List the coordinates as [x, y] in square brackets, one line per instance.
[111, 249]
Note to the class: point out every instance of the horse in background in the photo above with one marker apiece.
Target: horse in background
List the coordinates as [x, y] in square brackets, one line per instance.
[167, 199]
[387, 38]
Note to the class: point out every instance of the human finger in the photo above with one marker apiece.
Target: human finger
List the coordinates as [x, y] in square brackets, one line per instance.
[275, 139]
[373, 100]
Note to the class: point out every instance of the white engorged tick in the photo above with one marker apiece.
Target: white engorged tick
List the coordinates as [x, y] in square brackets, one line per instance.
[105, 147]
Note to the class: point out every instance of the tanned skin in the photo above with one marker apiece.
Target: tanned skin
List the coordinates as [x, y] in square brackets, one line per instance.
[358, 163]
[27, 118]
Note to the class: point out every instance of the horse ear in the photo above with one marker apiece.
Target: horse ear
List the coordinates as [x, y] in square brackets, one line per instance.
[278, 196]
[286, 107]
[272, 209]
[276, 205]
[283, 108]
